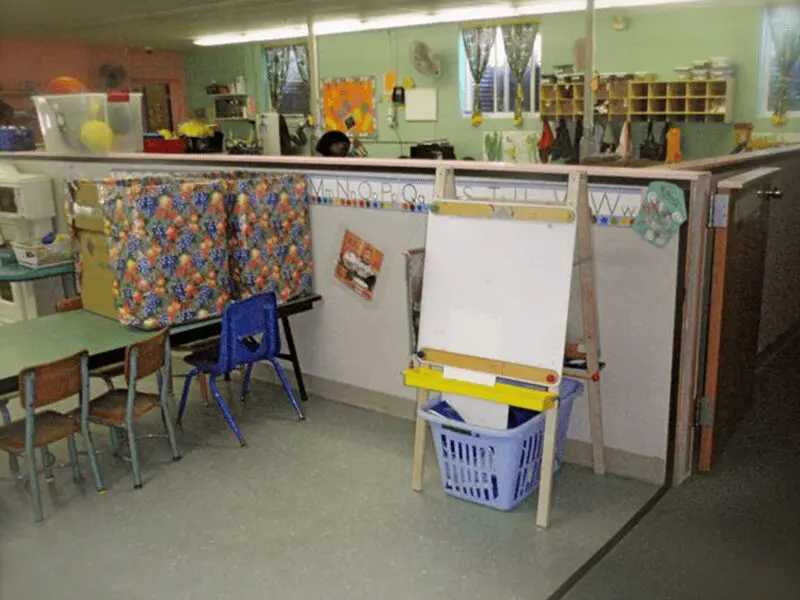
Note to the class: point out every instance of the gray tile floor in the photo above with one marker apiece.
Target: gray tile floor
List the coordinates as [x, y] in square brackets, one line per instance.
[315, 510]
[733, 534]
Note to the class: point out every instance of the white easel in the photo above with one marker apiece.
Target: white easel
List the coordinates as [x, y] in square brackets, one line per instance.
[426, 379]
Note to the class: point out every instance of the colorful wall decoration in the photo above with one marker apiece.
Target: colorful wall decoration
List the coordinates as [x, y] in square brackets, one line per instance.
[359, 265]
[348, 105]
[511, 146]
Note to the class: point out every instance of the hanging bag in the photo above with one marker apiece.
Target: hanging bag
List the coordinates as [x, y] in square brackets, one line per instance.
[650, 149]
[562, 147]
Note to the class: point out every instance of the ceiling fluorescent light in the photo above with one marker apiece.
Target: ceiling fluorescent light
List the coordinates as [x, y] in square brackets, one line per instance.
[493, 11]
[450, 15]
[634, 3]
[260, 35]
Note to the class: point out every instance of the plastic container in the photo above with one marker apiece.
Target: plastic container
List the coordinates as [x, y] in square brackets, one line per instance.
[162, 146]
[16, 139]
[37, 255]
[497, 468]
[91, 123]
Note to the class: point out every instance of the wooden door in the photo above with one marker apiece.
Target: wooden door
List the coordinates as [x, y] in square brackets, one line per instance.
[740, 220]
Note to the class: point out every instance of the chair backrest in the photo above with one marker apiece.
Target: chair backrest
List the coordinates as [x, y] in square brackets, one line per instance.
[54, 381]
[69, 304]
[150, 357]
[243, 323]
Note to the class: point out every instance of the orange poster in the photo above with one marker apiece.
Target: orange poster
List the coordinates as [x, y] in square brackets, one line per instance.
[358, 265]
[348, 105]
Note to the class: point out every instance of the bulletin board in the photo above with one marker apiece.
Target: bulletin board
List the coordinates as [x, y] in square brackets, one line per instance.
[348, 105]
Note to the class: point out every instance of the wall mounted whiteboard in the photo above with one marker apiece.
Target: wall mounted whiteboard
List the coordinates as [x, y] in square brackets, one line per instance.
[498, 289]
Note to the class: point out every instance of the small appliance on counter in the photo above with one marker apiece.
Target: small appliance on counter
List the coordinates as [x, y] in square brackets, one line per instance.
[27, 211]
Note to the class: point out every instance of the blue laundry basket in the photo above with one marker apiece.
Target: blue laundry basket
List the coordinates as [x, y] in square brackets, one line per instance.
[496, 468]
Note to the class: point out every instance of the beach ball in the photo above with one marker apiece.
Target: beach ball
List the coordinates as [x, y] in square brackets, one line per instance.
[65, 85]
[97, 136]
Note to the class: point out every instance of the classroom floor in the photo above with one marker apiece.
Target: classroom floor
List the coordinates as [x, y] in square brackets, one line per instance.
[733, 534]
[315, 510]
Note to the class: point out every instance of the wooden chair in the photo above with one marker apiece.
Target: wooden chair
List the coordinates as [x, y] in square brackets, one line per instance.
[41, 386]
[108, 373]
[120, 408]
[5, 415]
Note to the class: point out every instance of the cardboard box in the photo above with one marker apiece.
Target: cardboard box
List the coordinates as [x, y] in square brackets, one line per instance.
[88, 212]
[97, 280]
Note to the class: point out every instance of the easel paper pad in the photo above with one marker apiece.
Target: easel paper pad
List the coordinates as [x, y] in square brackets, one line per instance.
[479, 333]
[498, 289]
[469, 376]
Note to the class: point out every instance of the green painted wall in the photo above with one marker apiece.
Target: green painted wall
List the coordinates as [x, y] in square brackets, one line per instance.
[657, 40]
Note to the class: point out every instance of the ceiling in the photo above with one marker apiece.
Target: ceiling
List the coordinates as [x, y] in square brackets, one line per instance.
[175, 23]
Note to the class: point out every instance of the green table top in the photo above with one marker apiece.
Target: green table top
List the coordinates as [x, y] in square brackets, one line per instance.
[49, 338]
[16, 272]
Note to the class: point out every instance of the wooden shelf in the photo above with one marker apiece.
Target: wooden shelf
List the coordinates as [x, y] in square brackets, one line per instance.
[678, 101]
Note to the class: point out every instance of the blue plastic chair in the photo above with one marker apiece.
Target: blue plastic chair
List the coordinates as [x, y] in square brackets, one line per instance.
[242, 324]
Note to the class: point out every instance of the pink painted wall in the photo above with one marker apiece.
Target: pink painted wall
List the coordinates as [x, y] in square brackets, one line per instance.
[40, 61]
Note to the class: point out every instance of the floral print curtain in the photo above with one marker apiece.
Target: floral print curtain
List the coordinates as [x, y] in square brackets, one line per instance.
[301, 56]
[478, 44]
[277, 71]
[784, 23]
[518, 39]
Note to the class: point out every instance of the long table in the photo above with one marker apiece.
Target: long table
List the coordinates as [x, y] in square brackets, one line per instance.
[55, 336]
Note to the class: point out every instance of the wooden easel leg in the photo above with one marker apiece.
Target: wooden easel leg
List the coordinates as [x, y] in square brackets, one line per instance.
[419, 442]
[548, 467]
[588, 285]
[596, 426]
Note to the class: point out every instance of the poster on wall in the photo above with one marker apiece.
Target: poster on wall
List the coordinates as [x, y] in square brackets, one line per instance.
[348, 105]
[359, 265]
[511, 146]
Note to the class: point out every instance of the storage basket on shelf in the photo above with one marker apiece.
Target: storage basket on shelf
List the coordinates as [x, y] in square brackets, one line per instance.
[497, 468]
[36, 255]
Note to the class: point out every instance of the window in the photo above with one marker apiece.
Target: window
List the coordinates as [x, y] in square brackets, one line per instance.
[295, 100]
[498, 87]
[770, 74]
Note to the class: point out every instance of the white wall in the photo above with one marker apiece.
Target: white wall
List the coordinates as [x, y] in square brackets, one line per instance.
[348, 340]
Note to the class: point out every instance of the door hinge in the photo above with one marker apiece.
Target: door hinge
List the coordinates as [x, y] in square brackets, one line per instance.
[718, 211]
[704, 412]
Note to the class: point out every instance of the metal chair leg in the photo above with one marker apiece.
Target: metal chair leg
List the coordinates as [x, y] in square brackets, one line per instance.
[73, 459]
[116, 443]
[288, 388]
[33, 485]
[109, 383]
[136, 473]
[246, 382]
[88, 444]
[226, 411]
[13, 461]
[47, 464]
[186, 385]
[166, 417]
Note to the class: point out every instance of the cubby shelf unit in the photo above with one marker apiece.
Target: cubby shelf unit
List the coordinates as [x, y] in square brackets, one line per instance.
[701, 101]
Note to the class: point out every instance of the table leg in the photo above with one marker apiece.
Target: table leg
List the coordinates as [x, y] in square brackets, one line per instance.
[419, 442]
[548, 467]
[293, 358]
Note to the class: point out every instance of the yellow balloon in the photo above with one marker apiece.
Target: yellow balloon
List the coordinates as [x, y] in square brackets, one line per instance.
[97, 136]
